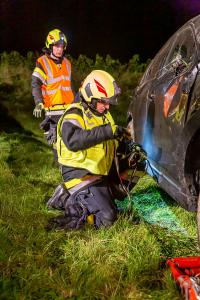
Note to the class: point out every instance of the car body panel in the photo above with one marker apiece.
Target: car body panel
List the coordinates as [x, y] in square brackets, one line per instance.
[165, 112]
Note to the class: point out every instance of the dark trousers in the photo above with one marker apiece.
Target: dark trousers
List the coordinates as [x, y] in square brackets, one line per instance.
[96, 200]
[49, 125]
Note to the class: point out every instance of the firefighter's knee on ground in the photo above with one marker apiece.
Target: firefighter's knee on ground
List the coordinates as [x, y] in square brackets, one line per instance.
[106, 219]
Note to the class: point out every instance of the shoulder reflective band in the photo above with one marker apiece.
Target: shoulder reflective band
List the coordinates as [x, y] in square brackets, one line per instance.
[39, 74]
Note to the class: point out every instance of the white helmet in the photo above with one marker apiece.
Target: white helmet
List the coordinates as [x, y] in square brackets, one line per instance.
[101, 86]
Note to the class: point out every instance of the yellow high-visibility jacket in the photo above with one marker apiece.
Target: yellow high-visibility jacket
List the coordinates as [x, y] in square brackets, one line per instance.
[98, 158]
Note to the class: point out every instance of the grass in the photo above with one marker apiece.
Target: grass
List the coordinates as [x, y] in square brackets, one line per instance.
[126, 261]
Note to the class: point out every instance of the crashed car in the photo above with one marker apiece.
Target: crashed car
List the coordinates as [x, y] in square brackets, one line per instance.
[165, 115]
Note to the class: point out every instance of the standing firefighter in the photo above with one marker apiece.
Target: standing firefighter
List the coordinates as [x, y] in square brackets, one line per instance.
[51, 84]
[87, 145]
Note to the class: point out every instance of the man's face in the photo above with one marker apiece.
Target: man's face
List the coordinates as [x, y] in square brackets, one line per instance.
[102, 106]
[58, 50]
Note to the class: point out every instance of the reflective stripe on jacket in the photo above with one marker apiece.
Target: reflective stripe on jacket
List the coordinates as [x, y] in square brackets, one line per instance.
[96, 159]
[56, 79]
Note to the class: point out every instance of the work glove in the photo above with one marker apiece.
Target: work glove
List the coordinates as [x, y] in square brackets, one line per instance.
[37, 112]
[51, 135]
[121, 133]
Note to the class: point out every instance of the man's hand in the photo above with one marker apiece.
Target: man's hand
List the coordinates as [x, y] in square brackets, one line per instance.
[121, 132]
[37, 112]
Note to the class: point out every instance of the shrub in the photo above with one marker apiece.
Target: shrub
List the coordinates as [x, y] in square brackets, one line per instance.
[16, 70]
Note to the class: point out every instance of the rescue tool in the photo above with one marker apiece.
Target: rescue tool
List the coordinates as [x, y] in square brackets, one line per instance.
[186, 273]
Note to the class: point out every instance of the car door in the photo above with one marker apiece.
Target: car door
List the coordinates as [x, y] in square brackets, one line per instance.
[142, 106]
[170, 93]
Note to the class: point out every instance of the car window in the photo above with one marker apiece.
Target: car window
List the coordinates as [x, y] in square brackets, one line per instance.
[182, 54]
[157, 63]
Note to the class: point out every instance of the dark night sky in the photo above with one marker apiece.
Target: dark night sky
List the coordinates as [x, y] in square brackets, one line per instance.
[94, 26]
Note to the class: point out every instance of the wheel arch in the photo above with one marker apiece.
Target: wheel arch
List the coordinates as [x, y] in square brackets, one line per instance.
[188, 155]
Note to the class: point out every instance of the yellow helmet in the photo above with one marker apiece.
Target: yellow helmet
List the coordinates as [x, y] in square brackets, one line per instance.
[54, 37]
[101, 86]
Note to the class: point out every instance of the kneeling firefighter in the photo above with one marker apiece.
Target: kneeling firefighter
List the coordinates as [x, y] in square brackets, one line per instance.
[88, 142]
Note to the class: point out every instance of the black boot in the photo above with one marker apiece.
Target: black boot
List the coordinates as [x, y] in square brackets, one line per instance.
[59, 198]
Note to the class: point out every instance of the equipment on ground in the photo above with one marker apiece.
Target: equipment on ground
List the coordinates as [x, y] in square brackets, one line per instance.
[186, 273]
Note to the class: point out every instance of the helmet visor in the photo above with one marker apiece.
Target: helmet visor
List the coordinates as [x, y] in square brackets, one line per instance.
[60, 43]
[114, 99]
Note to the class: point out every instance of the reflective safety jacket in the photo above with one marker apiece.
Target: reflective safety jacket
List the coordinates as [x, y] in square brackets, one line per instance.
[98, 158]
[56, 81]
